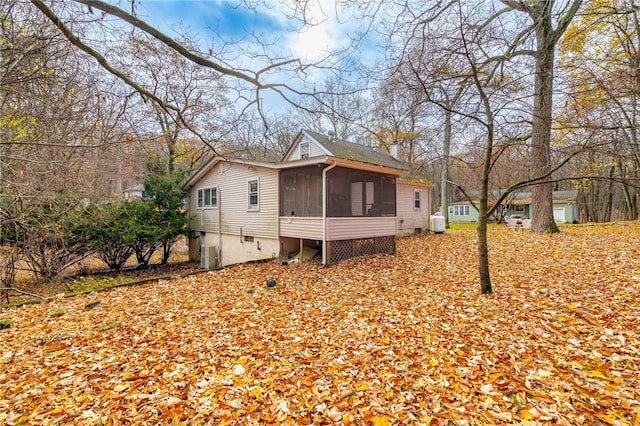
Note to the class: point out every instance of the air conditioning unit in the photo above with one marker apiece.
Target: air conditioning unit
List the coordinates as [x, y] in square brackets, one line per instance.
[208, 257]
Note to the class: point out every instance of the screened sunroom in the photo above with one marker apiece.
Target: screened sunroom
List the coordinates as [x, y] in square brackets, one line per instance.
[359, 217]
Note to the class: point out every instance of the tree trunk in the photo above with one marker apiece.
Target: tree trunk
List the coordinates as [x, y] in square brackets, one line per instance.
[444, 179]
[610, 190]
[483, 244]
[542, 194]
[483, 248]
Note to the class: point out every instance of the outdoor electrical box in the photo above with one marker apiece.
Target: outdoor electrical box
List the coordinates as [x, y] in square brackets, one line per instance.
[208, 257]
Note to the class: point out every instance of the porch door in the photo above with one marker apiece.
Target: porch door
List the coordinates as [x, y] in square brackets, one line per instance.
[362, 198]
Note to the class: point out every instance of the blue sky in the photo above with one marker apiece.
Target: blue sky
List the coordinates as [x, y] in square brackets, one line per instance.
[203, 15]
[272, 24]
[233, 20]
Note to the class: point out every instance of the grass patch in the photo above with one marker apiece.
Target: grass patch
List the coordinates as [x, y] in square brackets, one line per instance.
[90, 306]
[5, 324]
[108, 326]
[21, 303]
[462, 226]
[88, 284]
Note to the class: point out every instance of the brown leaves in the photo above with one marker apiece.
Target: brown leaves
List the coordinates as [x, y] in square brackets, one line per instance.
[404, 339]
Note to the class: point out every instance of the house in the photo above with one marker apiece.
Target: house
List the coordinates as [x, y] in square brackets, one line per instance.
[565, 208]
[326, 196]
[133, 193]
[413, 205]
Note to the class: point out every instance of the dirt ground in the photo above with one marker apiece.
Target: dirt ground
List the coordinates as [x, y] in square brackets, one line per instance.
[27, 287]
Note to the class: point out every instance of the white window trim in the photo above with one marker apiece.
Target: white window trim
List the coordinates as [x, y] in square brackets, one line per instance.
[205, 206]
[460, 210]
[308, 145]
[250, 207]
[417, 192]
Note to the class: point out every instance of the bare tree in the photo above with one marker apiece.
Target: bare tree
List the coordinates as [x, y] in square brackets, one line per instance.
[475, 47]
[549, 21]
[75, 19]
[198, 93]
[604, 84]
[56, 114]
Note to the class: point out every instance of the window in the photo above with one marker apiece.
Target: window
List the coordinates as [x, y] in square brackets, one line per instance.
[417, 199]
[460, 210]
[208, 197]
[254, 199]
[519, 208]
[304, 150]
[301, 192]
[353, 193]
[388, 196]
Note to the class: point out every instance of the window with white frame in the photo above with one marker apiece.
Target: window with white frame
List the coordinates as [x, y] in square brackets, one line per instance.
[208, 197]
[254, 196]
[518, 208]
[417, 199]
[304, 150]
[459, 210]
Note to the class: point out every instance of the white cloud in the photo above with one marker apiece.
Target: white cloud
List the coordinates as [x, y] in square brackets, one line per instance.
[313, 43]
[321, 34]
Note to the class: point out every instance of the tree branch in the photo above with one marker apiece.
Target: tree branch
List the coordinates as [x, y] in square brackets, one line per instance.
[21, 292]
[95, 54]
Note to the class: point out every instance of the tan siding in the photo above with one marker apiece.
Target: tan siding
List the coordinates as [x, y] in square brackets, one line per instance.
[232, 185]
[346, 228]
[410, 217]
[301, 227]
[236, 217]
[208, 220]
[203, 219]
[315, 150]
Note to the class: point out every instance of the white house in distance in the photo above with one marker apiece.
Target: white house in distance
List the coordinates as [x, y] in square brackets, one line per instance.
[133, 193]
[334, 197]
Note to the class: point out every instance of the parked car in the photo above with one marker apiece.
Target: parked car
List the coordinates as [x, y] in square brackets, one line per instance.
[518, 218]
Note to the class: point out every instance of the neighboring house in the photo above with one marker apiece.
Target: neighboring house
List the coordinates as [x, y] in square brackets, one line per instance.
[326, 196]
[565, 208]
[133, 193]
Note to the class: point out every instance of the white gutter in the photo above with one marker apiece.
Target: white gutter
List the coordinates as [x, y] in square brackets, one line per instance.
[324, 211]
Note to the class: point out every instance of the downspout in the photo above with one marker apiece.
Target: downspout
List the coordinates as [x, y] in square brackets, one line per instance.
[219, 228]
[278, 215]
[324, 211]
[190, 230]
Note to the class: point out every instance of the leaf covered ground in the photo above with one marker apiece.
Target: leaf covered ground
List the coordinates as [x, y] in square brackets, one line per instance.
[402, 339]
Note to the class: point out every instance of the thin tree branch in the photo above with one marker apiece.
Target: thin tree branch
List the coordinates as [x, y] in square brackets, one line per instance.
[21, 292]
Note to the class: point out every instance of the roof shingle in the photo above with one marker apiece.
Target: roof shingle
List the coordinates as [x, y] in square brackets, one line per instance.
[352, 151]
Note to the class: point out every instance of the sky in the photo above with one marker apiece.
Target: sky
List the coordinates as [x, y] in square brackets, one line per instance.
[272, 24]
[233, 20]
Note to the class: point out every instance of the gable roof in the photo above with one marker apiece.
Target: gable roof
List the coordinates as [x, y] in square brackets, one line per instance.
[206, 167]
[414, 180]
[353, 151]
[348, 154]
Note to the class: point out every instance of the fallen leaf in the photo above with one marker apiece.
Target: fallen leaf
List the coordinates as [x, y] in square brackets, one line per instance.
[599, 374]
[392, 339]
